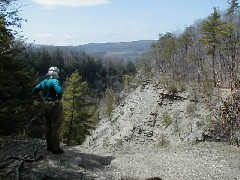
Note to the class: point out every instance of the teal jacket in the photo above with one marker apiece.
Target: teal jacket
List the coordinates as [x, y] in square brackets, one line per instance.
[51, 88]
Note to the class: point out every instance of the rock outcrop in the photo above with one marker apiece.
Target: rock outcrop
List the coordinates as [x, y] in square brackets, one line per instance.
[151, 116]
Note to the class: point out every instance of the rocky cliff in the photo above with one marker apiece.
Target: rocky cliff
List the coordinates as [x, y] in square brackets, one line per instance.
[150, 116]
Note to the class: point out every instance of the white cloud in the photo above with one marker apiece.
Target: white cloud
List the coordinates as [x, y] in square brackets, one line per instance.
[72, 3]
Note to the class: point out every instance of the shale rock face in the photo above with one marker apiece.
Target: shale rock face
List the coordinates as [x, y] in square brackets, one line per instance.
[151, 116]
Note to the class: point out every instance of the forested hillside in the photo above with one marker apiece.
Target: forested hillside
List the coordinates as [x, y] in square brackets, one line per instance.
[202, 58]
[114, 51]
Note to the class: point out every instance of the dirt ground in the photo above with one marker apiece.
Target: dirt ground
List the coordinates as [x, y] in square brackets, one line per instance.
[28, 159]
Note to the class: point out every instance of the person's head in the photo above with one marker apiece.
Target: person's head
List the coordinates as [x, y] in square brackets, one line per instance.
[53, 72]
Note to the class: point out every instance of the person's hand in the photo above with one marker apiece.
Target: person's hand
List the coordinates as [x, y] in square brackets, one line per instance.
[58, 101]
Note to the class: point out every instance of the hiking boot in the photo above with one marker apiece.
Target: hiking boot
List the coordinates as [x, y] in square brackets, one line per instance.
[49, 149]
[58, 151]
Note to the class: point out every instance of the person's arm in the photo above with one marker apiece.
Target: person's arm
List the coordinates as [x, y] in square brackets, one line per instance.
[37, 89]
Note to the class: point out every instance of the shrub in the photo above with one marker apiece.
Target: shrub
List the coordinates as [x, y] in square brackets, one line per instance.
[207, 87]
[105, 143]
[126, 81]
[172, 87]
[109, 101]
[181, 86]
[163, 141]
[227, 127]
[118, 143]
[166, 119]
[191, 110]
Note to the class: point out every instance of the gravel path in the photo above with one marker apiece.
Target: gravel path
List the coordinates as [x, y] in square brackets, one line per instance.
[203, 161]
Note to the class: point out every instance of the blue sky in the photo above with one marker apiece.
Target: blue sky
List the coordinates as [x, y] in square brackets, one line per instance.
[76, 22]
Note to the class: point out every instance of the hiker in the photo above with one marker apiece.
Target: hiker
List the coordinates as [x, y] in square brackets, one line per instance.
[52, 107]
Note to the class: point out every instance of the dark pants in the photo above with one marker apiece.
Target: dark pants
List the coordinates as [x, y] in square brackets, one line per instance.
[53, 113]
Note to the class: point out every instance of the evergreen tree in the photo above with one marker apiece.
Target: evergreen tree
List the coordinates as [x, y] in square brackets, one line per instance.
[165, 51]
[126, 81]
[231, 39]
[234, 5]
[58, 61]
[130, 68]
[109, 101]
[16, 101]
[9, 18]
[16, 77]
[212, 29]
[77, 121]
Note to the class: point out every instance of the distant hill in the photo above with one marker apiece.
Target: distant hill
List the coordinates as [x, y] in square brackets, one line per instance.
[120, 50]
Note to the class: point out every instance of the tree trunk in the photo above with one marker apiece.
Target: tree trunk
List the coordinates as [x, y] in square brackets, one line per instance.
[70, 130]
[71, 122]
[213, 66]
